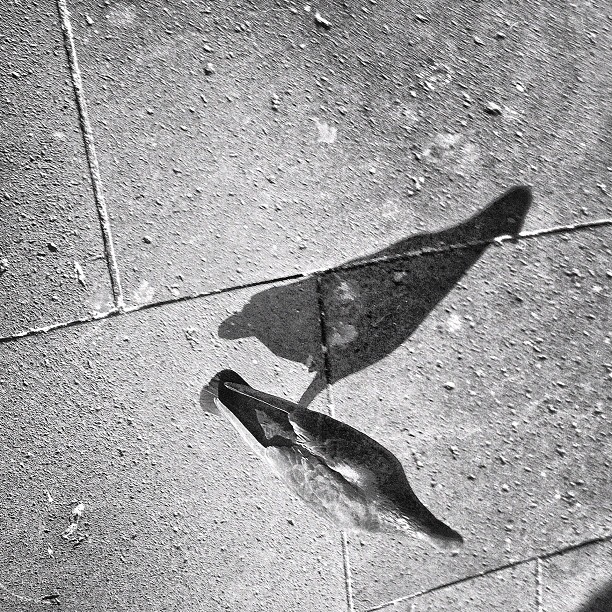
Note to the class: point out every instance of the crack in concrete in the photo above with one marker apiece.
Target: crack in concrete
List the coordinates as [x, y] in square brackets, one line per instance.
[493, 570]
[324, 344]
[498, 240]
[90, 153]
[34, 331]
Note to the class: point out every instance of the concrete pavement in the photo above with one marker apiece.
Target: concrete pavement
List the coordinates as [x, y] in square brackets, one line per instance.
[188, 187]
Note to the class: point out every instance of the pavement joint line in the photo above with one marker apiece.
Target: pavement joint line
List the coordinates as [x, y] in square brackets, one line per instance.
[500, 241]
[493, 570]
[346, 560]
[346, 564]
[62, 325]
[348, 579]
[324, 350]
[538, 584]
[90, 153]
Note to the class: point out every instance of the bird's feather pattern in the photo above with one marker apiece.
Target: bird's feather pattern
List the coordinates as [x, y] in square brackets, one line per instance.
[340, 471]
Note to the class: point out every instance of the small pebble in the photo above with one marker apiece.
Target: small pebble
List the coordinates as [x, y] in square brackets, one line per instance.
[89, 20]
[52, 247]
[147, 239]
[321, 21]
[449, 385]
[493, 109]
[209, 68]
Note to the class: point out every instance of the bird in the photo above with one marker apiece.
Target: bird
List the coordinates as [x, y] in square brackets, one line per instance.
[341, 472]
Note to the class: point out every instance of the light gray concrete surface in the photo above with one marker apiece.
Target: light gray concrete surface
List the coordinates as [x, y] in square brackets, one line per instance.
[516, 455]
[308, 146]
[50, 233]
[178, 514]
[243, 143]
[578, 581]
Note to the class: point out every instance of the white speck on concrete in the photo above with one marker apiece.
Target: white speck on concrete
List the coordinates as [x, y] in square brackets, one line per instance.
[344, 293]
[80, 274]
[121, 15]
[144, 293]
[342, 334]
[327, 133]
[453, 323]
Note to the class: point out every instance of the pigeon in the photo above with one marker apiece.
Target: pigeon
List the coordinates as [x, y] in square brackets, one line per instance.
[342, 473]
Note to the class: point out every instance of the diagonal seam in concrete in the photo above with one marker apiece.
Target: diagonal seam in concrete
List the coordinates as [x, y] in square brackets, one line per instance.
[500, 241]
[90, 152]
[348, 579]
[538, 584]
[493, 570]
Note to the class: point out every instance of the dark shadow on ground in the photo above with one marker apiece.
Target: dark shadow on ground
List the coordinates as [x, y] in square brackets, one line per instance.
[600, 602]
[370, 310]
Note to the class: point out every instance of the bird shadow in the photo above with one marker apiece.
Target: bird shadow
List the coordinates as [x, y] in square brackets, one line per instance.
[372, 304]
[600, 601]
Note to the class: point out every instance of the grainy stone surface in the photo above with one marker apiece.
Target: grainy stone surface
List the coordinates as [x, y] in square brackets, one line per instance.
[496, 405]
[578, 581]
[178, 515]
[241, 142]
[48, 218]
[244, 142]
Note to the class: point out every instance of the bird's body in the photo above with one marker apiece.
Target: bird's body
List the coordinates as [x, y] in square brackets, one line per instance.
[341, 472]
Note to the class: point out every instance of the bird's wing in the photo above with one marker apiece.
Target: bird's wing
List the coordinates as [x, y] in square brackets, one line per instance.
[323, 488]
[245, 433]
[360, 459]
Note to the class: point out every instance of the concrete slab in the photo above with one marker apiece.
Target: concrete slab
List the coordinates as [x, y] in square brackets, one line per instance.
[495, 403]
[177, 514]
[578, 581]
[241, 142]
[51, 258]
[509, 590]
